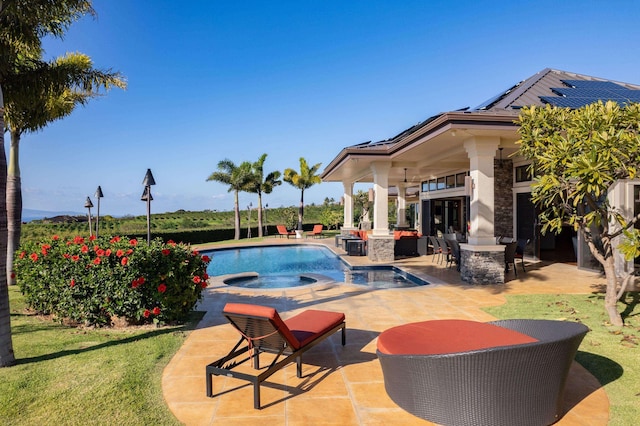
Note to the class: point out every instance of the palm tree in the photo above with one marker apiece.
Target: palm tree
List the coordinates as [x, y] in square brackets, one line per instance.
[304, 180]
[22, 24]
[262, 185]
[37, 94]
[238, 178]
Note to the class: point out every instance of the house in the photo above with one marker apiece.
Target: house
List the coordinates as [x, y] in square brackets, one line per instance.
[469, 180]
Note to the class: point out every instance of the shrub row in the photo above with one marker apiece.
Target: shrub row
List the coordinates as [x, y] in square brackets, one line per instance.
[93, 281]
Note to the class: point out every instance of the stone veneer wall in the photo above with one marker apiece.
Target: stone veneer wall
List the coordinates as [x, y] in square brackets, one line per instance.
[380, 248]
[482, 267]
[347, 231]
[503, 198]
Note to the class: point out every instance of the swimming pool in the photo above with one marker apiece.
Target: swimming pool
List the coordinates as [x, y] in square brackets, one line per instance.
[292, 265]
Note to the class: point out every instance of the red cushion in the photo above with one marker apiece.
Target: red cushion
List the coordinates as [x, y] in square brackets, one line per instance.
[267, 313]
[310, 324]
[447, 336]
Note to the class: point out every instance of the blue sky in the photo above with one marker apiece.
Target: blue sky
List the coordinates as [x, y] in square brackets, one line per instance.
[210, 80]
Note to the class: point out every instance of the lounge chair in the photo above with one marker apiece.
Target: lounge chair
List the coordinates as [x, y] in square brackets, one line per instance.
[502, 373]
[316, 232]
[264, 331]
[282, 231]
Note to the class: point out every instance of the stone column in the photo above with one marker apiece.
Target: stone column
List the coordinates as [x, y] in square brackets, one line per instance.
[482, 260]
[401, 214]
[481, 151]
[380, 244]
[381, 197]
[347, 226]
[348, 204]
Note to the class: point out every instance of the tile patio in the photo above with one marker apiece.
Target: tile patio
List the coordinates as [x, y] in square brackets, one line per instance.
[344, 385]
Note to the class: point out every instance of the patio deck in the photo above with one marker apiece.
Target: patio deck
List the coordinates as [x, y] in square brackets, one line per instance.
[344, 385]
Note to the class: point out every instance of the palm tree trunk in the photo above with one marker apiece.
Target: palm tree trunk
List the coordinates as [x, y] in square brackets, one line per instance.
[260, 214]
[14, 204]
[7, 357]
[301, 210]
[236, 210]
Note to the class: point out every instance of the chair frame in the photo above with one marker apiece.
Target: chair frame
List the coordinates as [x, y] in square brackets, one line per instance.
[437, 250]
[454, 253]
[445, 251]
[522, 244]
[282, 231]
[316, 232]
[261, 334]
[509, 257]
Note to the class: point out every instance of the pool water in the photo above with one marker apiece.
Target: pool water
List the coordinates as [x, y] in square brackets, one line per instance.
[288, 266]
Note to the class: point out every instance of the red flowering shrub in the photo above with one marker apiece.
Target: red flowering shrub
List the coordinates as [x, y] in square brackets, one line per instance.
[93, 283]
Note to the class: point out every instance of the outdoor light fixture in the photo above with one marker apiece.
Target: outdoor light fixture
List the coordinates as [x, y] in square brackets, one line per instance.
[405, 175]
[266, 227]
[146, 196]
[98, 195]
[249, 223]
[88, 204]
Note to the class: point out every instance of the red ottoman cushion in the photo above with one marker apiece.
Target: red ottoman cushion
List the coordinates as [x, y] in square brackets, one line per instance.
[447, 336]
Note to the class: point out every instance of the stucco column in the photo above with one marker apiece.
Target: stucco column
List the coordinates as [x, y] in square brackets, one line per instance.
[401, 213]
[481, 151]
[381, 189]
[348, 204]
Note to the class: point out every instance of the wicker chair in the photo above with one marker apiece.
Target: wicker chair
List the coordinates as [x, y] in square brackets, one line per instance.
[520, 384]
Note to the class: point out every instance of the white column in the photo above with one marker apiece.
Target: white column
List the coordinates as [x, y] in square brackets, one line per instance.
[381, 189]
[482, 151]
[348, 204]
[401, 213]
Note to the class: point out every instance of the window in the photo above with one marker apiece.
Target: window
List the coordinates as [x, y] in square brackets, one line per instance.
[523, 174]
[451, 181]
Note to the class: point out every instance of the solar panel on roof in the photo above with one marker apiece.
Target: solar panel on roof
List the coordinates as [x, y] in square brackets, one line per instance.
[568, 102]
[584, 92]
[590, 84]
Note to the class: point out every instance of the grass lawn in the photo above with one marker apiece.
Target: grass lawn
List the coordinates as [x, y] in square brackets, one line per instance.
[76, 376]
[611, 354]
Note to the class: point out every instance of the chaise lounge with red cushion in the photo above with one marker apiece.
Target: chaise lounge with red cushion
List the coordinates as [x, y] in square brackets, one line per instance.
[262, 329]
[456, 372]
[282, 231]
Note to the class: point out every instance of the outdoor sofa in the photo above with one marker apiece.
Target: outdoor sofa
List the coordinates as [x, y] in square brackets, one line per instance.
[456, 372]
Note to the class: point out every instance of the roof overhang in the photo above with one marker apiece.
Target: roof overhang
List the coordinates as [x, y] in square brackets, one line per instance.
[429, 150]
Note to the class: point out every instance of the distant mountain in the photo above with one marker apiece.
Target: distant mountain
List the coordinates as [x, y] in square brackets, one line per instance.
[28, 214]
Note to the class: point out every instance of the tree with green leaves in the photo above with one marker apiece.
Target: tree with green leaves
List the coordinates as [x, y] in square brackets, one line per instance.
[303, 180]
[577, 155]
[238, 178]
[363, 205]
[23, 23]
[261, 184]
[36, 94]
